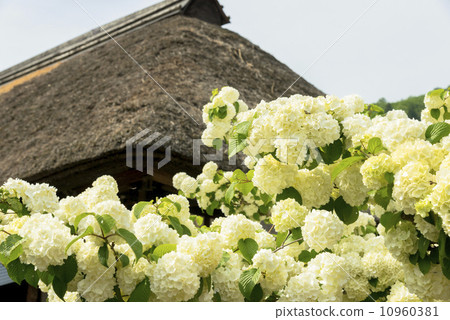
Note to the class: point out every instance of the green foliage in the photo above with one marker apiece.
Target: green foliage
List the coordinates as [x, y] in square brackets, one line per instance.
[142, 292]
[413, 105]
[162, 249]
[103, 254]
[247, 282]
[390, 219]
[444, 253]
[248, 248]
[238, 137]
[437, 131]
[180, 228]
[306, 256]
[106, 222]
[10, 249]
[81, 217]
[290, 192]
[132, 241]
[332, 152]
[345, 212]
[373, 282]
[384, 195]
[89, 230]
[63, 275]
[137, 209]
[217, 143]
[344, 164]
[9, 202]
[375, 146]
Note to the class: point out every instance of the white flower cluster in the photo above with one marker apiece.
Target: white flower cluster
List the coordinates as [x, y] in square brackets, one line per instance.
[359, 205]
[209, 189]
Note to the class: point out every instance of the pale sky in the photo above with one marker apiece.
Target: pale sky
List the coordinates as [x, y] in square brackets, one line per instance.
[396, 49]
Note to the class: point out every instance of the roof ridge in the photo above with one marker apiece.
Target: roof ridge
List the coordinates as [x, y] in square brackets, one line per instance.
[97, 36]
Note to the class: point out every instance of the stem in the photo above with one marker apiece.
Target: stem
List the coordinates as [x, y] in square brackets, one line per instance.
[287, 236]
[96, 235]
[271, 228]
[6, 232]
[287, 244]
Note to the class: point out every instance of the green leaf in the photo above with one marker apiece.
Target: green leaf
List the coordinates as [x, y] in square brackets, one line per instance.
[17, 206]
[162, 249]
[243, 127]
[176, 204]
[375, 145]
[31, 276]
[60, 287]
[216, 297]
[345, 212]
[373, 282]
[390, 219]
[423, 246]
[198, 220]
[248, 248]
[332, 152]
[137, 209]
[306, 256]
[383, 196]
[186, 230]
[424, 265]
[142, 292]
[16, 271]
[89, 230]
[225, 257]
[344, 164]
[280, 238]
[329, 206]
[175, 223]
[444, 253]
[236, 144]
[296, 234]
[45, 277]
[217, 143]
[210, 210]
[132, 241]
[103, 254]
[106, 222]
[238, 176]
[435, 113]
[434, 255]
[389, 176]
[229, 194]
[236, 106]
[81, 217]
[199, 292]
[256, 295]
[445, 265]
[245, 188]
[290, 192]
[414, 258]
[248, 280]
[67, 271]
[221, 112]
[437, 131]
[124, 260]
[10, 249]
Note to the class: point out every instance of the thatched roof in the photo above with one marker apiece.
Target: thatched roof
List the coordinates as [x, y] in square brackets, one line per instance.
[77, 116]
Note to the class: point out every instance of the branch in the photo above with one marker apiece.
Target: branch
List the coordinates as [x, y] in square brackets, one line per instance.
[287, 244]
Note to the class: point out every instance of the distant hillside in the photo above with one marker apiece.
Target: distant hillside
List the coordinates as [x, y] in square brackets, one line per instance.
[412, 105]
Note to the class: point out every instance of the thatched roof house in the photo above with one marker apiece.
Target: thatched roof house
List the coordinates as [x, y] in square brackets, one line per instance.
[67, 113]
